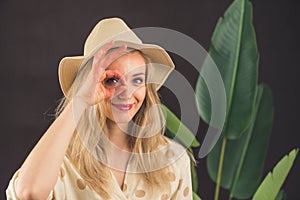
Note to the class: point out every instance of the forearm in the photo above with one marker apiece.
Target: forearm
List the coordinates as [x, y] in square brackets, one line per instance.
[39, 172]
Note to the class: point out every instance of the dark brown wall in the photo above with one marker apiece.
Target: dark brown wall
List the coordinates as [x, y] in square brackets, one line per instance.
[35, 35]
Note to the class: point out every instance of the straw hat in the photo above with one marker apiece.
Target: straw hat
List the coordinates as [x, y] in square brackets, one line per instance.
[105, 31]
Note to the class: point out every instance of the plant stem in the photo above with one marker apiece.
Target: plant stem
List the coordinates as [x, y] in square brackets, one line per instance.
[244, 151]
[217, 190]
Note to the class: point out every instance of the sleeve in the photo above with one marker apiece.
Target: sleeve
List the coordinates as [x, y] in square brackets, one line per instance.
[10, 191]
[184, 190]
[56, 193]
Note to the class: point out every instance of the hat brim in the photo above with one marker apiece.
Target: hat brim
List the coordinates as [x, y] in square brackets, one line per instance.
[163, 64]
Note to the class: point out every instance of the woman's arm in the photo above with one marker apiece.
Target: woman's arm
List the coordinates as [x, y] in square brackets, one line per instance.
[39, 173]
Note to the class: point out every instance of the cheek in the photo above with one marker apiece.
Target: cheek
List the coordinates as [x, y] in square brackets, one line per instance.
[140, 94]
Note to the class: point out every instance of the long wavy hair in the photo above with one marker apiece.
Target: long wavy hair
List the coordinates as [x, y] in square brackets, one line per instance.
[87, 149]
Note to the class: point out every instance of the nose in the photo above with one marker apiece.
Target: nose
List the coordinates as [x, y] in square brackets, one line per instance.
[125, 91]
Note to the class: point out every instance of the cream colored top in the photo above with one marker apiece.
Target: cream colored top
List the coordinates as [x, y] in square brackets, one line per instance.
[71, 186]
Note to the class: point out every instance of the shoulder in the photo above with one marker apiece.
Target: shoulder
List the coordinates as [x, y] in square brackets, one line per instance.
[177, 154]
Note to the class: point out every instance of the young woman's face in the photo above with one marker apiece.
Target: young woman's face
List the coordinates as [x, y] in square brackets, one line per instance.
[130, 90]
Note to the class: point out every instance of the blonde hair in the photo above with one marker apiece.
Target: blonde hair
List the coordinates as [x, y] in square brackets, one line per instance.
[91, 131]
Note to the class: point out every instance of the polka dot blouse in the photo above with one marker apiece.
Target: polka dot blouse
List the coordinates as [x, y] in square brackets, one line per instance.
[71, 186]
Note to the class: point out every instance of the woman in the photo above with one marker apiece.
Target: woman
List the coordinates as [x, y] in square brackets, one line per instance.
[107, 141]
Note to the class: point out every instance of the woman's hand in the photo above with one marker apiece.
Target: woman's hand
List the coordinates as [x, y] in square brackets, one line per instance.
[93, 90]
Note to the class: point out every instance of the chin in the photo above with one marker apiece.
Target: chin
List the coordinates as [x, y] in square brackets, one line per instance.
[121, 118]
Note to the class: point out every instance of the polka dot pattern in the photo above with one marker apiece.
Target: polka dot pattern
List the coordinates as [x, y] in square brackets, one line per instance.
[171, 176]
[177, 177]
[164, 197]
[81, 184]
[170, 153]
[140, 193]
[185, 191]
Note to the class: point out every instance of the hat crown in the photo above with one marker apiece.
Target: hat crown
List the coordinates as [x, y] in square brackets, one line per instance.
[107, 30]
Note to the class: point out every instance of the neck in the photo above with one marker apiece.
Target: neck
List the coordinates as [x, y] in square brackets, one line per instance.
[117, 134]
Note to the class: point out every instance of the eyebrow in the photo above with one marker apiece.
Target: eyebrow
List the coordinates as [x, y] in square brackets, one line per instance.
[138, 74]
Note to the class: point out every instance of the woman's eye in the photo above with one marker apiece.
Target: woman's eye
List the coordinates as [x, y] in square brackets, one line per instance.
[138, 81]
[111, 82]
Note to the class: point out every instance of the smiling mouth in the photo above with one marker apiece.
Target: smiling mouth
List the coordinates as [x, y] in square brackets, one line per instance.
[123, 107]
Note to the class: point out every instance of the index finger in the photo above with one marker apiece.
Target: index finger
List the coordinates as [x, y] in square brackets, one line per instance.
[102, 51]
[103, 62]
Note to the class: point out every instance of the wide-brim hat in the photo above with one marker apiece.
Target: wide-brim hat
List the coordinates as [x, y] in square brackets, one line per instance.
[114, 29]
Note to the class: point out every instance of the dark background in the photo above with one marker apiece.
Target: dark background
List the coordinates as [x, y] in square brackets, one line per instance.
[35, 35]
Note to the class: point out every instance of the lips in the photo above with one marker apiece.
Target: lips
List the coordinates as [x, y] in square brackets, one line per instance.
[123, 107]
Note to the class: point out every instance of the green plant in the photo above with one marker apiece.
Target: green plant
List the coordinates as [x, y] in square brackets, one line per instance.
[271, 185]
[236, 162]
[243, 166]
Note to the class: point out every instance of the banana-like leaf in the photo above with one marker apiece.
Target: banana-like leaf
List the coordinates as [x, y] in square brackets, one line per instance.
[244, 157]
[281, 195]
[195, 196]
[271, 185]
[234, 51]
[194, 177]
[177, 130]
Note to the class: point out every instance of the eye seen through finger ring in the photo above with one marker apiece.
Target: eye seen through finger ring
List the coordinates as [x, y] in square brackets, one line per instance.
[111, 82]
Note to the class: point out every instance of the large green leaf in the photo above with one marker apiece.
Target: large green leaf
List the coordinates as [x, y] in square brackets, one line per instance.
[244, 157]
[195, 196]
[177, 130]
[234, 51]
[194, 177]
[271, 185]
[281, 195]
